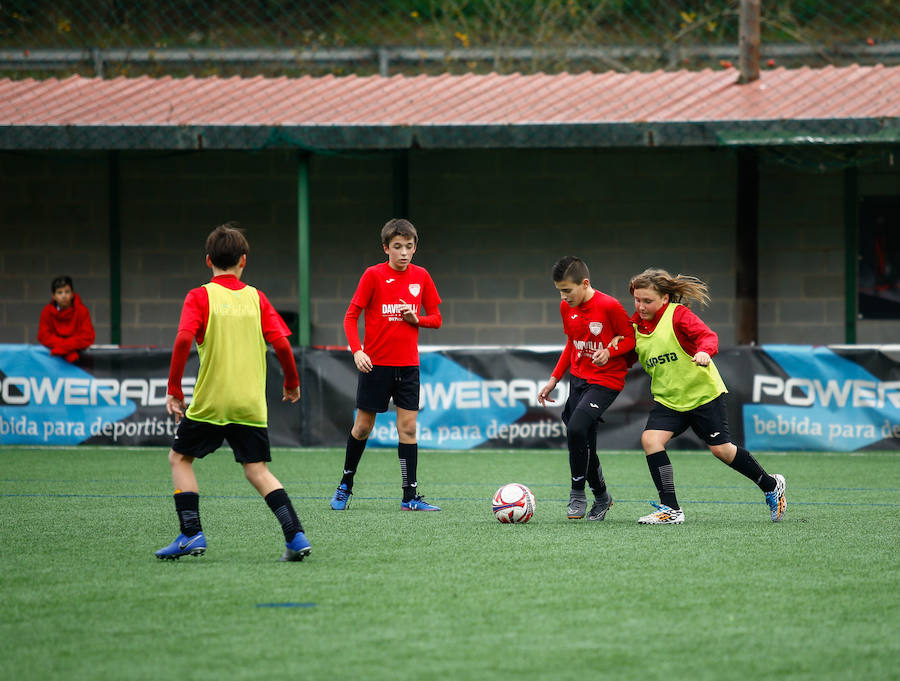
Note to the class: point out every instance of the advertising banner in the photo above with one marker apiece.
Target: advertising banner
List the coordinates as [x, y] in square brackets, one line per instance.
[781, 397]
[110, 397]
[819, 398]
[469, 398]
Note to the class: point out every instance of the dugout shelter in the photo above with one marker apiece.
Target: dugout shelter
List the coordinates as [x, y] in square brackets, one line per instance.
[783, 194]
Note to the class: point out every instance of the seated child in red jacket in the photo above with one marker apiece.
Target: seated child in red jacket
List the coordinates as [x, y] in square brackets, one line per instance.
[65, 325]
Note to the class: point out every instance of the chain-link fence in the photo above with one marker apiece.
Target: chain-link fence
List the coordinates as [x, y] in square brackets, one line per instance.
[286, 37]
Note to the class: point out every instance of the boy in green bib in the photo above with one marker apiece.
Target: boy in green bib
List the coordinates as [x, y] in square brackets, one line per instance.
[676, 348]
[231, 323]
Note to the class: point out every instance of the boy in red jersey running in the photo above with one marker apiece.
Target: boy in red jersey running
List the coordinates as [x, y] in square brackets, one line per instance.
[591, 320]
[231, 322]
[398, 297]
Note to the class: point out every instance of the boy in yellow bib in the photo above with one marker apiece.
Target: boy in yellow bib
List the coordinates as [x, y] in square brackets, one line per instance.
[231, 323]
[675, 348]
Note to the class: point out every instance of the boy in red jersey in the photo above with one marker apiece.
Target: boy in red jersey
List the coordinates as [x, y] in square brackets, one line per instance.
[231, 322]
[65, 325]
[591, 320]
[398, 297]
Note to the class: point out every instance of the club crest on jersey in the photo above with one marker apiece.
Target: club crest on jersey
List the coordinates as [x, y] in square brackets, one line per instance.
[596, 328]
[414, 289]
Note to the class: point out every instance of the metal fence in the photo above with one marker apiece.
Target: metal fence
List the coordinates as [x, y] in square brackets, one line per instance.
[285, 37]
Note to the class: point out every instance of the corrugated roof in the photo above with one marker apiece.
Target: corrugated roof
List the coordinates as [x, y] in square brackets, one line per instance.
[593, 109]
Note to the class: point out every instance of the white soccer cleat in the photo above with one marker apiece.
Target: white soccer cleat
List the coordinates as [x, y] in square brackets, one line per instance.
[664, 515]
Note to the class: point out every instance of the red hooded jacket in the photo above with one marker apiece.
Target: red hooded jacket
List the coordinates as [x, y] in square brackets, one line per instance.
[67, 331]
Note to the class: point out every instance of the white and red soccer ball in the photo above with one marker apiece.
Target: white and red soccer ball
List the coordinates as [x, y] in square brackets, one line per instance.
[513, 503]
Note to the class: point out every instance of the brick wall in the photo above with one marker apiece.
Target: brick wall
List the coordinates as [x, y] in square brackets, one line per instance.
[171, 202]
[492, 223]
[801, 257]
[53, 222]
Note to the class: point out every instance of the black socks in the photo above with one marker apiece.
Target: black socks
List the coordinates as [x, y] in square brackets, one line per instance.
[281, 506]
[409, 458]
[408, 454]
[187, 506]
[355, 449]
[746, 465]
[663, 477]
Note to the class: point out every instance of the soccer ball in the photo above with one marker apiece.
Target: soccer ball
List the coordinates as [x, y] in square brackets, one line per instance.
[513, 503]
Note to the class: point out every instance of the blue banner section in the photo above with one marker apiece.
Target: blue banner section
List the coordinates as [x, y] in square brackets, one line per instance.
[47, 401]
[821, 400]
[111, 397]
[781, 397]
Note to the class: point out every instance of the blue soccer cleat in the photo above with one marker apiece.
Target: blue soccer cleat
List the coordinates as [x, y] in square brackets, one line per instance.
[184, 546]
[775, 499]
[297, 549]
[417, 503]
[341, 499]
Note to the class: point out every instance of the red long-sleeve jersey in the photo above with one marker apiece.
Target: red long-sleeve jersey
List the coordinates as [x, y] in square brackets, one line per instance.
[590, 327]
[389, 339]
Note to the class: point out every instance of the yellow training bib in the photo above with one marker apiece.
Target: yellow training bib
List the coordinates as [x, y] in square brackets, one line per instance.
[675, 381]
[231, 382]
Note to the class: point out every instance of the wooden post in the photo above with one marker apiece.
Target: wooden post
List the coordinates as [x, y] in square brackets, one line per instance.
[749, 41]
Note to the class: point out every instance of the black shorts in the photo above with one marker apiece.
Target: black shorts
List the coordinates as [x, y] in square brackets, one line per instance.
[375, 389]
[588, 397]
[198, 438]
[708, 421]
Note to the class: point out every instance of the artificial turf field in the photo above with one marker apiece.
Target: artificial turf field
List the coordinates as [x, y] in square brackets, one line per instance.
[450, 595]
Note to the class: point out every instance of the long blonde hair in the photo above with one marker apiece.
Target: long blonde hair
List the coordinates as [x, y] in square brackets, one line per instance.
[680, 287]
